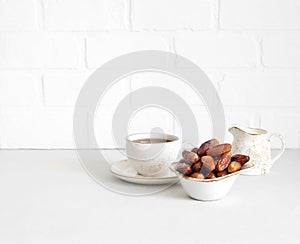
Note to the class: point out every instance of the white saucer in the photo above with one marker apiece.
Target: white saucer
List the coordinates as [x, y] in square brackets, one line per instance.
[124, 171]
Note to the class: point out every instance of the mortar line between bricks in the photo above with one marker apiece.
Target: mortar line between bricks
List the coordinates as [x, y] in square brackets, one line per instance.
[260, 30]
[231, 69]
[220, 82]
[154, 30]
[85, 54]
[41, 19]
[218, 14]
[174, 45]
[192, 104]
[261, 52]
[260, 119]
[171, 30]
[234, 106]
[43, 98]
[42, 69]
[213, 4]
[238, 69]
[129, 16]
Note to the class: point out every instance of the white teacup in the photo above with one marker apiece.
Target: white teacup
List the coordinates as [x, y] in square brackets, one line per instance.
[152, 153]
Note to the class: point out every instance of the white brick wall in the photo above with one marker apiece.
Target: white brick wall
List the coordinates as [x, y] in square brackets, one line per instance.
[217, 49]
[61, 89]
[140, 122]
[84, 15]
[267, 88]
[258, 14]
[171, 15]
[37, 128]
[39, 50]
[250, 50]
[283, 120]
[19, 89]
[281, 49]
[18, 15]
[107, 46]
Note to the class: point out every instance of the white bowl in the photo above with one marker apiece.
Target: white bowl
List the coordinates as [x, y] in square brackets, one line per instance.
[208, 189]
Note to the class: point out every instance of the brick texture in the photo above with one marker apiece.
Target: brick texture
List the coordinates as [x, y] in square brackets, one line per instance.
[171, 14]
[18, 15]
[257, 14]
[223, 49]
[78, 15]
[250, 50]
[110, 45]
[19, 50]
[19, 89]
[281, 49]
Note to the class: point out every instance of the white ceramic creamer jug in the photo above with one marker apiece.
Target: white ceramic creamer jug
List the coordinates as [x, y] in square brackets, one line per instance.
[255, 143]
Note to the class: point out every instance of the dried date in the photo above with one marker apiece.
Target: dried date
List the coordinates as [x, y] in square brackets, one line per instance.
[197, 167]
[190, 156]
[184, 169]
[219, 149]
[223, 161]
[207, 145]
[197, 175]
[242, 159]
[222, 173]
[234, 166]
[208, 165]
[211, 176]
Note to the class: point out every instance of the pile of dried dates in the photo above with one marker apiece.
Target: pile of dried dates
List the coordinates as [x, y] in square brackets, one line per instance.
[210, 160]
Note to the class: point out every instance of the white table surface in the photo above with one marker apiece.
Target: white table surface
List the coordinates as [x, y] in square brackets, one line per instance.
[47, 197]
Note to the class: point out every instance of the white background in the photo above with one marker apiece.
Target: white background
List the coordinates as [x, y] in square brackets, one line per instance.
[250, 49]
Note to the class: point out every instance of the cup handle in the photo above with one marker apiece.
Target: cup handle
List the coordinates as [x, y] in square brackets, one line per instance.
[282, 146]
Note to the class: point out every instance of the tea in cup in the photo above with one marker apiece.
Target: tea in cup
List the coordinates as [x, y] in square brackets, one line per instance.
[152, 153]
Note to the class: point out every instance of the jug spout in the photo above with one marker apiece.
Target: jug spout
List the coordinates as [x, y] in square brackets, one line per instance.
[234, 129]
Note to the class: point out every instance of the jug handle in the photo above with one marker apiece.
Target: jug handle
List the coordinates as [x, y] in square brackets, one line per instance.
[282, 145]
